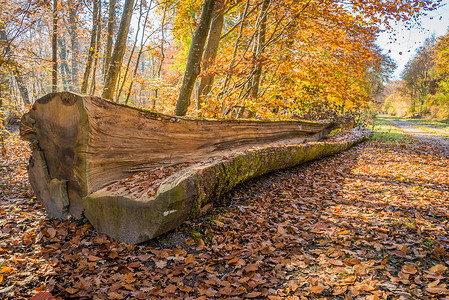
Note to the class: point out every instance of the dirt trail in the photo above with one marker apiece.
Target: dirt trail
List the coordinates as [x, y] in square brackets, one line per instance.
[433, 135]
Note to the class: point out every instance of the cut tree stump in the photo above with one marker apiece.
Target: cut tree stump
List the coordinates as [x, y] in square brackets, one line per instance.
[82, 146]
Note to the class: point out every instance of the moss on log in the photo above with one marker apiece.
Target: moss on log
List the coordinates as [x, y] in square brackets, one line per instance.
[82, 144]
[192, 191]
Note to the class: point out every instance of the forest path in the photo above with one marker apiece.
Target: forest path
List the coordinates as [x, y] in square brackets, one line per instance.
[423, 131]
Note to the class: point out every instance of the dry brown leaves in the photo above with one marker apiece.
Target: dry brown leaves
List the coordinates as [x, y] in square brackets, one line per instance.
[145, 183]
[370, 223]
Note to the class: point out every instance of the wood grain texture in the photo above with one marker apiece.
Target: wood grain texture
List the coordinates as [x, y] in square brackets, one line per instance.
[192, 191]
[89, 143]
[124, 140]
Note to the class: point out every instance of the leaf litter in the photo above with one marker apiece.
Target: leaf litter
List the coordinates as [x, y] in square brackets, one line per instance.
[145, 183]
[369, 223]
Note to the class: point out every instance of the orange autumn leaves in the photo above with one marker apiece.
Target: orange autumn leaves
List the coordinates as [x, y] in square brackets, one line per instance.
[370, 222]
[313, 51]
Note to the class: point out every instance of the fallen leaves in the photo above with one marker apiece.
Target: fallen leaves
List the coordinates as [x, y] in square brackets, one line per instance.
[368, 223]
[338, 290]
[51, 232]
[441, 290]
[409, 269]
[161, 264]
[71, 290]
[316, 289]
[251, 268]
[42, 296]
[145, 183]
[439, 269]
[190, 259]
[93, 258]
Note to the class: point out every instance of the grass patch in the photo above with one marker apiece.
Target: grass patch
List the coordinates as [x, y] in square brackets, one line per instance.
[425, 125]
[384, 131]
[436, 124]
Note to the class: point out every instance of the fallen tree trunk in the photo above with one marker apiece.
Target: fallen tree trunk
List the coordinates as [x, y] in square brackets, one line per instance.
[81, 144]
[192, 191]
[84, 149]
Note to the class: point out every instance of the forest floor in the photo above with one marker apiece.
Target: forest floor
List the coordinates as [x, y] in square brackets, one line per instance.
[369, 223]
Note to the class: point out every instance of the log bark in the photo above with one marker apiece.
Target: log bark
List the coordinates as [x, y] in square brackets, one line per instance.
[190, 193]
[83, 144]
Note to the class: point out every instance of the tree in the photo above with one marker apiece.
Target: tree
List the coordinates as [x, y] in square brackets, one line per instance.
[143, 40]
[119, 51]
[93, 44]
[193, 67]
[5, 59]
[74, 44]
[417, 75]
[275, 57]
[54, 47]
[210, 52]
[258, 49]
[110, 36]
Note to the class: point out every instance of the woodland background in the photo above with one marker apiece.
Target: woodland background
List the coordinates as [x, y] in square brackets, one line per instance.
[370, 223]
[262, 58]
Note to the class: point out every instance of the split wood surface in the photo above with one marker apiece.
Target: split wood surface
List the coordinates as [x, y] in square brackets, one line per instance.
[83, 144]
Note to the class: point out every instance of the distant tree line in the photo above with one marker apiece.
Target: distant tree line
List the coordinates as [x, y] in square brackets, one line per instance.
[231, 58]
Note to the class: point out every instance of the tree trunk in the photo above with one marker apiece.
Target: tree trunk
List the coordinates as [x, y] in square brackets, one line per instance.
[93, 85]
[4, 44]
[139, 55]
[23, 90]
[211, 52]
[258, 51]
[159, 69]
[119, 51]
[110, 37]
[64, 70]
[234, 54]
[80, 148]
[7, 53]
[93, 45]
[125, 76]
[193, 66]
[74, 46]
[54, 48]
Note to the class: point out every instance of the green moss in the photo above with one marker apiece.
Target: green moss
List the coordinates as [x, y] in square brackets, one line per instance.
[196, 209]
[174, 195]
[335, 132]
[196, 236]
[216, 180]
[194, 191]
